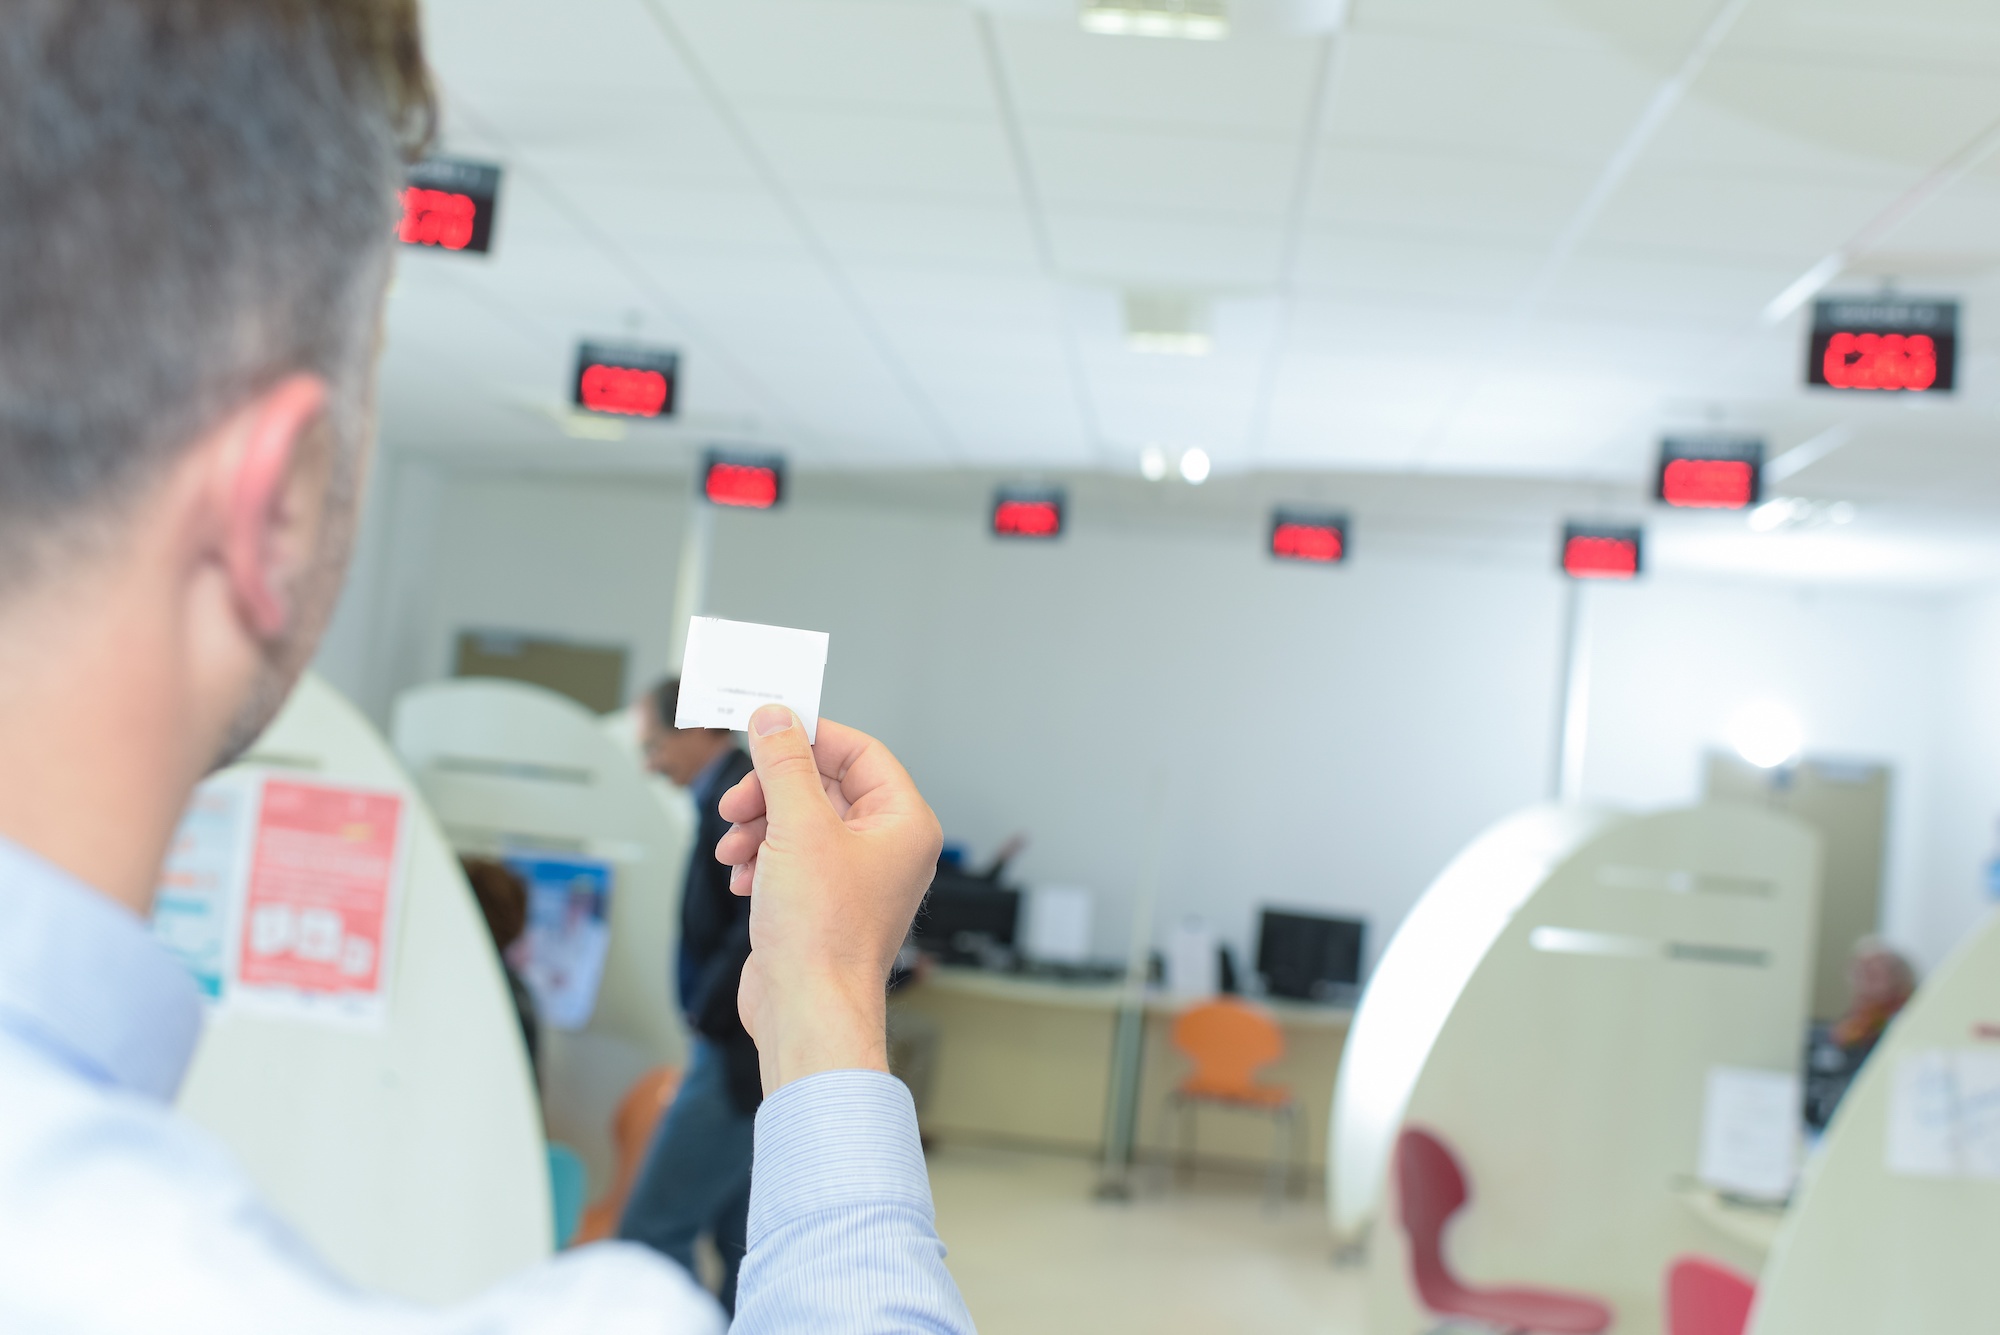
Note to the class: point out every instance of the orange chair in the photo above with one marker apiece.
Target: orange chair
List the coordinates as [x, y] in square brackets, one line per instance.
[1230, 1041]
[631, 1133]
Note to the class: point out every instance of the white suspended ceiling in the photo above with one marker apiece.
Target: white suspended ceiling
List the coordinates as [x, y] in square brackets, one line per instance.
[1510, 237]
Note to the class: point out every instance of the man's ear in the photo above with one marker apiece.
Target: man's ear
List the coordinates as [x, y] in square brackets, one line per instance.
[278, 479]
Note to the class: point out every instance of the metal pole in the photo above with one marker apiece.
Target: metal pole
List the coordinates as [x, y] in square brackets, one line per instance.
[1128, 1047]
[691, 578]
[1572, 697]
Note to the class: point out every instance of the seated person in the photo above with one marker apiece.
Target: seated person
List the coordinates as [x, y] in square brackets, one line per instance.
[503, 901]
[1880, 982]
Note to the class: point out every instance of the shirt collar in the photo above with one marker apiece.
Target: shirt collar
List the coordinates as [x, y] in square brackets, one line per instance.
[83, 977]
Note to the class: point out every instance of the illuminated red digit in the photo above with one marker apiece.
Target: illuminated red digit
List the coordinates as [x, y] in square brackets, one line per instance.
[742, 484]
[1920, 368]
[618, 389]
[455, 227]
[1306, 542]
[1028, 519]
[1839, 349]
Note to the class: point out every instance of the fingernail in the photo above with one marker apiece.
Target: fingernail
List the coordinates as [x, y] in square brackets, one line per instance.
[770, 719]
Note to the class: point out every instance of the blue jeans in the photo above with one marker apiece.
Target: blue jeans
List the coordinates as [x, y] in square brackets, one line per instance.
[696, 1176]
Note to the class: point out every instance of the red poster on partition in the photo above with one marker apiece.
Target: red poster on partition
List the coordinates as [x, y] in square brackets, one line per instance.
[323, 870]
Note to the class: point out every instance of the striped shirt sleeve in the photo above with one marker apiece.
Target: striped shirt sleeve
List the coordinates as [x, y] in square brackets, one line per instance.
[843, 1238]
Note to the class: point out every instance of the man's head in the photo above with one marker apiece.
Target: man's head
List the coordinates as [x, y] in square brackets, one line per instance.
[1878, 976]
[196, 207]
[678, 753]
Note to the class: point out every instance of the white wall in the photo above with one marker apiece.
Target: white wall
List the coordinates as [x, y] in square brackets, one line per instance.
[1674, 658]
[1962, 823]
[1329, 737]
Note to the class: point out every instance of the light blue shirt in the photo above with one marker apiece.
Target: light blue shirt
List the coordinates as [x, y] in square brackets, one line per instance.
[118, 1217]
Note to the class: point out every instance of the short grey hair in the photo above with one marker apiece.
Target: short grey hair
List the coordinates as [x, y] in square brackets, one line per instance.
[197, 199]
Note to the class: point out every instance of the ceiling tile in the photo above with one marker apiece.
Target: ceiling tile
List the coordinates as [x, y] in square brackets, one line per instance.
[1560, 104]
[1061, 74]
[883, 155]
[1388, 263]
[1220, 176]
[1165, 250]
[1483, 197]
[912, 59]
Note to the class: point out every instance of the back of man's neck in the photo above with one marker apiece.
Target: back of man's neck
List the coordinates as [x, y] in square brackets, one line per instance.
[88, 763]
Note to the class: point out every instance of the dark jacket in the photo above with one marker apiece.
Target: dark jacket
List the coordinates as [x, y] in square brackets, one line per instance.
[715, 941]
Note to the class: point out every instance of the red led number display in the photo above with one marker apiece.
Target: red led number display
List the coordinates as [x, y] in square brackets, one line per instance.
[1027, 519]
[1709, 484]
[747, 485]
[1306, 542]
[1880, 361]
[1586, 557]
[437, 218]
[620, 389]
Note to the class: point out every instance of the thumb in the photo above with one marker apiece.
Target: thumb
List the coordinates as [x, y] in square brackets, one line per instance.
[785, 765]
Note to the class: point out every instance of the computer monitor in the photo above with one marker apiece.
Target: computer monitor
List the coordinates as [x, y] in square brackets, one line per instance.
[964, 917]
[1309, 957]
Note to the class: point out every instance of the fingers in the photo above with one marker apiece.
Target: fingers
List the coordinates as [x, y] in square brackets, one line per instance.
[741, 843]
[788, 770]
[744, 801]
[742, 877]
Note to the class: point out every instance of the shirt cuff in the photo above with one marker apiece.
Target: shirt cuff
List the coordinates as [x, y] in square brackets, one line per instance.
[835, 1140]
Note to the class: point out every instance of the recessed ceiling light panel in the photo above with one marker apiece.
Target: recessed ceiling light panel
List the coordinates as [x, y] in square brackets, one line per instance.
[1200, 20]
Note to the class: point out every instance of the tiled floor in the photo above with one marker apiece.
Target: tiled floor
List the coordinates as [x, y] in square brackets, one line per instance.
[1036, 1255]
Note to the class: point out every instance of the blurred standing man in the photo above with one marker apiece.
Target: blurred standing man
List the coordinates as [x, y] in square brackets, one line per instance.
[697, 1173]
[196, 204]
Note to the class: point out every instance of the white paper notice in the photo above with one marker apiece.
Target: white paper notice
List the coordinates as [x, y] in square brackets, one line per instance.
[1750, 1131]
[1944, 1114]
[1059, 924]
[201, 885]
[732, 668]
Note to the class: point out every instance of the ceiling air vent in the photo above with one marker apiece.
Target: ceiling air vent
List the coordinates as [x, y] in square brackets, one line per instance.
[1166, 322]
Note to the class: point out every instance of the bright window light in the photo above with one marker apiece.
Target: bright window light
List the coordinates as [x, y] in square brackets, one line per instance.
[1194, 466]
[1765, 733]
[1152, 463]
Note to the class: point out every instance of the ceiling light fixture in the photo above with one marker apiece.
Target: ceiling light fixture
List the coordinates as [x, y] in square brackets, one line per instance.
[1200, 20]
[1195, 466]
[1166, 323]
[1784, 512]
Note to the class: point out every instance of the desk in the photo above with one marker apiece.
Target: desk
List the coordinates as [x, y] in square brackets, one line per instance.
[1028, 1060]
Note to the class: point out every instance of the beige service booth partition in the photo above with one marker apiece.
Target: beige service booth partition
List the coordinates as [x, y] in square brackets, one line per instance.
[511, 768]
[405, 1147]
[1896, 1227]
[1559, 1009]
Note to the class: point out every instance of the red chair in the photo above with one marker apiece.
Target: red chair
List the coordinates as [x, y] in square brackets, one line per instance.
[1432, 1188]
[1706, 1297]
